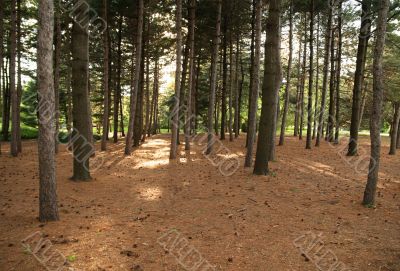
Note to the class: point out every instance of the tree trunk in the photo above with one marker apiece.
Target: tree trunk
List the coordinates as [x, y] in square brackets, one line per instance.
[213, 83]
[136, 79]
[310, 79]
[1, 60]
[147, 99]
[117, 92]
[303, 79]
[297, 111]
[377, 104]
[316, 82]
[13, 90]
[224, 74]
[395, 126]
[82, 147]
[338, 73]
[191, 37]
[271, 85]
[138, 128]
[175, 121]
[57, 66]
[365, 31]
[19, 79]
[237, 99]
[328, 38]
[48, 209]
[288, 78]
[106, 81]
[252, 128]
[331, 117]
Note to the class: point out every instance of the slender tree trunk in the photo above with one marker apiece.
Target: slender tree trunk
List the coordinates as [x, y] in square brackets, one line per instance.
[175, 121]
[303, 79]
[310, 79]
[136, 79]
[117, 92]
[331, 117]
[298, 92]
[82, 147]
[365, 31]
[183, 86]
[338, 73]
[231, 86]
[252, 128]
[191, 37]
[138, 128]
[271, 85]
[252, 57]
[224, 73]
[288, 78]
[13, 90]
[57, 66]
[147, 85]
[153, 99]
[395, 126]
[106, 81]
[48, 209]
[316, 82]
[213, 83]
[328, 38]
[237, 95]
[19, 77]
[3, 104]
[363, 102]
[377, 104]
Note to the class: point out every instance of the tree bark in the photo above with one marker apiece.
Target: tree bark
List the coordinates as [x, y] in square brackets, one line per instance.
[57, 66]
[106, 81]
[19, 78]
[48, 209]
[303, 79]
[331, 117]
[252, 128]
[175, 121]
[191, 37]
[316, 82]
[328, 38]
[338, 72]
[136, 79]
[310, 79]
[288, 78]
[213, 83]
[117, 92]
[82, 147]
[224, 73]
[297, 111]
[395, 126]
[1, 61]
[377, 104]
[271, 85]
[365, 31]
[13, 90]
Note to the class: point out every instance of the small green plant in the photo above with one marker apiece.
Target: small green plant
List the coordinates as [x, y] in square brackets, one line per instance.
[71, 258]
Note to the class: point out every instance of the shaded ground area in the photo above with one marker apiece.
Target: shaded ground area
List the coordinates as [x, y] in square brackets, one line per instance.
[238, 222]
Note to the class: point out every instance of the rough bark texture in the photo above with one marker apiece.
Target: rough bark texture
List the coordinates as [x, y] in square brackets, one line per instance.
[297, 111]
[136, 79]
[363, 39]
[331, 118]
[316, 82]
[117, 92]
[328, 37]
[310, 79]
[271, 85]
[377, 104]
[191, 37]
[1, 59]
[105, 80]
[288, 78]
[252, 128]
[338, 73]
[13, 90]
[175, 110]
[82, 147]
[303, 80]
[48, 209]
[213, 83]
[395, 129]
[19, 77]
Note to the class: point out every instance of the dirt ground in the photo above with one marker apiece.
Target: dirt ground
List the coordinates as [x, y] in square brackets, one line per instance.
[238, 222]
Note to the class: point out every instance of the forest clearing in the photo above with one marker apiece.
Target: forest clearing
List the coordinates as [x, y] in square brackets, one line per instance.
[200, 135]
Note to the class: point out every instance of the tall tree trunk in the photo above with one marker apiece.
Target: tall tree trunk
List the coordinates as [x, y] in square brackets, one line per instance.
[271, 85]
[316, 82]
[138, 129]
[175, 121]
[252, 128]
[13, 90]
[328, 38]
[80, 97]
[237, 94]
[224, 73]
[153, 99]
[106, 81]
[303, 79]
[331, 118]
[48, 209]
[338, 72]
[6, 101]
[191, 37]
[298, 92]
[231, 86]
[117, 92]
[252, 52]
[136, 79]
[57, 66]
[395, 129]
[19, 77]
[1, 60]
[147, 99]
[377, 104]
[183, 85]
[365, 31]
[213, 83]
[310, 79]
[288, 78]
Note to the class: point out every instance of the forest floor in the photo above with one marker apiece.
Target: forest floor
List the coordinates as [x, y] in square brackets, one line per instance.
[120, 219]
